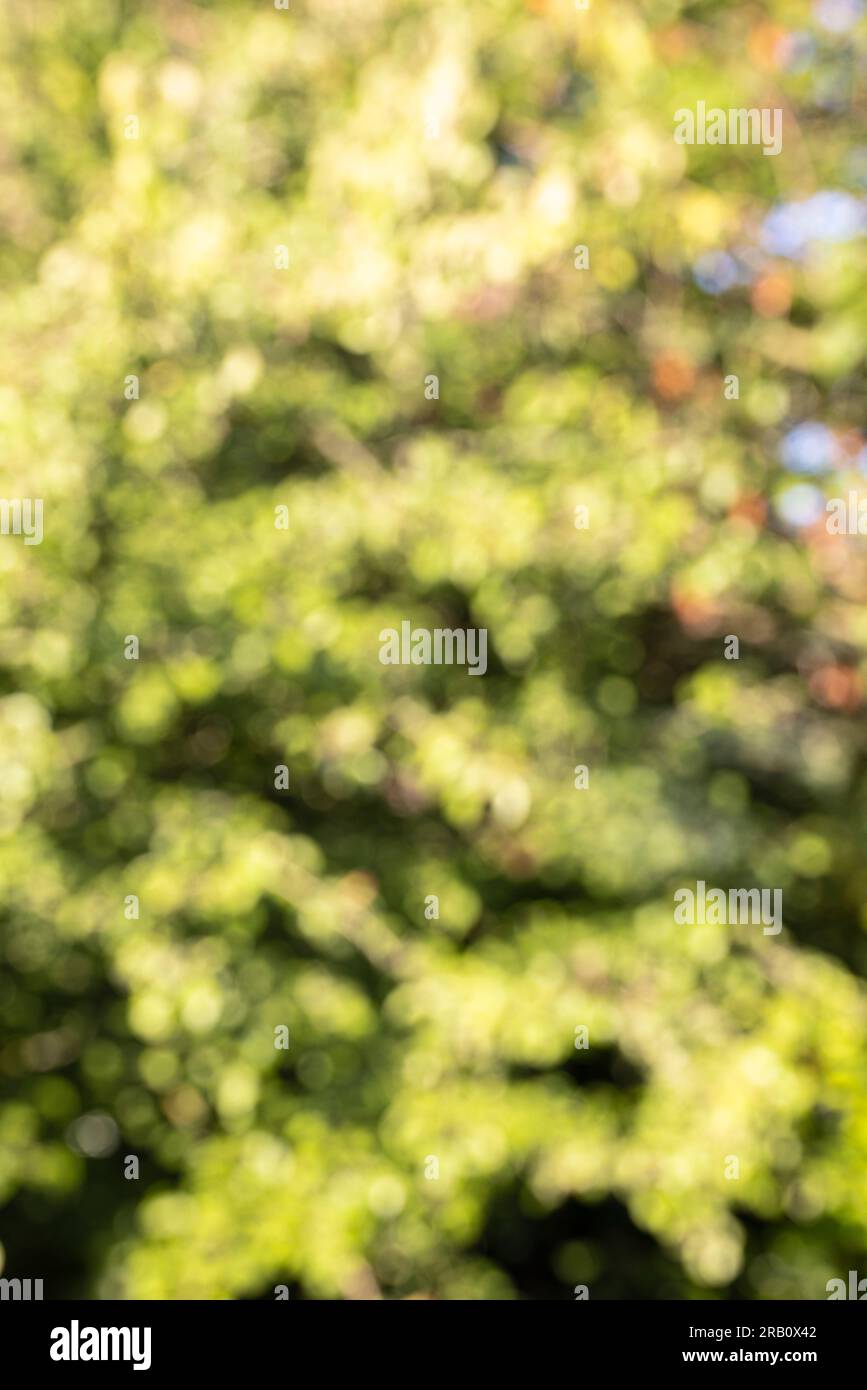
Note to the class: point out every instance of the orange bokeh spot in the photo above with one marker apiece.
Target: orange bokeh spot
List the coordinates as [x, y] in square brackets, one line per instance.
[674, 43]
[673, 376]
[772, 295]
[697, 612]
[837, 687]
[751, 508]
[765, 46]
[850, 443]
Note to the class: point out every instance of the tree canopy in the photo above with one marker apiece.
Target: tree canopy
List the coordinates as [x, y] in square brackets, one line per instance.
[326, 319]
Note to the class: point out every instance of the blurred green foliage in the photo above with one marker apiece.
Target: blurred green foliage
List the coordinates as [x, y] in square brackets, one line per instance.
[451, 1038]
